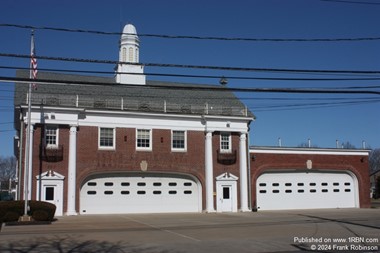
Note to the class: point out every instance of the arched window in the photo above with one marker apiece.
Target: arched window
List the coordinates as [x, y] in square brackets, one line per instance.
[124, 54]
[130, 54]
[137, 55]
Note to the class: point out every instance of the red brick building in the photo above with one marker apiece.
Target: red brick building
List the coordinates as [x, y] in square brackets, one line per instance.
[304, 178]
[125, 144]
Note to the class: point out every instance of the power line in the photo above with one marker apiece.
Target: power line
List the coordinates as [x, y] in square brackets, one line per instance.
[163, 36]
[307, 106]
[168, 65]
[3, 131]
[351, 2]
[200, 76]
[320, 104]
[209, 88]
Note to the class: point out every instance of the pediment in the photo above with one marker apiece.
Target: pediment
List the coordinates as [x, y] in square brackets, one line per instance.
[227, 177]
[50, 175]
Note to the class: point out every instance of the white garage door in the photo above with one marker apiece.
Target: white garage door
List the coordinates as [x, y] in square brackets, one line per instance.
[140, 193]
[301, 190]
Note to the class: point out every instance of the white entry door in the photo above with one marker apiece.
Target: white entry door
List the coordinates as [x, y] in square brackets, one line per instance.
[51, 193]
[226, 198]
[50, 189]
[226, 193]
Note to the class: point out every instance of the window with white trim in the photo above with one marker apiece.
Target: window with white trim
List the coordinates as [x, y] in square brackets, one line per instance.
[225, 143]
[178, 140]
[51, 136]
[144, 139]
[106, 138]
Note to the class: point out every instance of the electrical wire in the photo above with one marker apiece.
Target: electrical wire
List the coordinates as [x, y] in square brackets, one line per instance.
[351, 2]
[3, 131]
[200, 76]
[291, 107]
[209, 88]
[163, 36]
[168, 65]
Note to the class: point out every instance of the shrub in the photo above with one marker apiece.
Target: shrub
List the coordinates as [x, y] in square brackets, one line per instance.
[47, 207]
[39, 210]
[40, 215]
[11, 216]
[8, 209]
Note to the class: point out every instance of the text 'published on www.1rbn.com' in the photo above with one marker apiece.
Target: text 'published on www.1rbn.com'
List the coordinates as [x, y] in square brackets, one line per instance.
[339, 244]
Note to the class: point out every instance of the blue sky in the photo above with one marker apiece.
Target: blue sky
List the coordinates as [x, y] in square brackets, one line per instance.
[278, 115]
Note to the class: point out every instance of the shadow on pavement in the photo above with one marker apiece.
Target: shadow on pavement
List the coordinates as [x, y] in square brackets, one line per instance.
[69, 244]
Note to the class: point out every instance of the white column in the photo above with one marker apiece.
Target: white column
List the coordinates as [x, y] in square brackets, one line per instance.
[209, 175]
[72, 171]
[243, 173]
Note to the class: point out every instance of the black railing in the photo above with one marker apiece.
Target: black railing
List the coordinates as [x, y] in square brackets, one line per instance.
[52, 153]
[226, 158]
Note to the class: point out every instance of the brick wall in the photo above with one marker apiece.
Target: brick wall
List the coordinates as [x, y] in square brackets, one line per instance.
[358, 165]
[125, 157]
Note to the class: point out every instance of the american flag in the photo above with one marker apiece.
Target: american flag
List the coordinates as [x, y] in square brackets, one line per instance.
[33, 63]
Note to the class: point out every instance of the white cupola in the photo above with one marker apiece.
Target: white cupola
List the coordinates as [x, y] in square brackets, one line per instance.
[128, 69]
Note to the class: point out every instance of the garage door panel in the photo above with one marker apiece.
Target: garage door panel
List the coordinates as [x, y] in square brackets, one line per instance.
[140, 194]
[295, 190]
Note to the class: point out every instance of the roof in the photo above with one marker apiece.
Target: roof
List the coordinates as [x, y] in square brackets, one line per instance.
[68, 90]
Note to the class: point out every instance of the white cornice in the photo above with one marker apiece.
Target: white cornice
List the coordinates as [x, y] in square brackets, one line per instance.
[308, 151]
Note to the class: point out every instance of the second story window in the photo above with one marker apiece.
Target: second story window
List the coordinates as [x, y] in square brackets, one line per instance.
[225, 142]
[178, 140]
[143, 140]
[106, 138]
[51, 136]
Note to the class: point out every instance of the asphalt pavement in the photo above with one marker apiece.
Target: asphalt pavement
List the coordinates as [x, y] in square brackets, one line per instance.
[324, 230]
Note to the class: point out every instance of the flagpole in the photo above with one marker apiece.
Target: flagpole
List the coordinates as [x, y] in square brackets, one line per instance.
[28, 164]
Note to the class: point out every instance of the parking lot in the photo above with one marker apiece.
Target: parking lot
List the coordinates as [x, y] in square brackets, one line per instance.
[324, 230]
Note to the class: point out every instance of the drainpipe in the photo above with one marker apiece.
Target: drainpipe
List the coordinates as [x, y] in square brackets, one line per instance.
[249, 172]
[19, 176]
